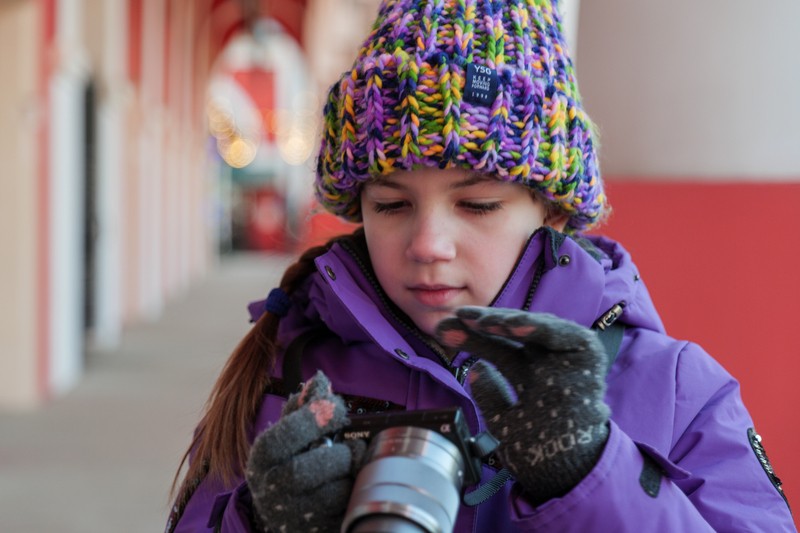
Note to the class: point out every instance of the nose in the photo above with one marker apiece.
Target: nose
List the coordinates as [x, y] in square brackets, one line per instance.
[432, 239]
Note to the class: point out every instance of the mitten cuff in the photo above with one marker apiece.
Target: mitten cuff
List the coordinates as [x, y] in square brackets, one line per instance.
[563, 462]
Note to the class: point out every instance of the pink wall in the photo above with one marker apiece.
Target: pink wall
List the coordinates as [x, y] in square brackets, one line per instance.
[722, 263]
[46, 67]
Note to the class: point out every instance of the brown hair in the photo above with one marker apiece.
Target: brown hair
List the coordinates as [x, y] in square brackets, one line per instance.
[220, 446]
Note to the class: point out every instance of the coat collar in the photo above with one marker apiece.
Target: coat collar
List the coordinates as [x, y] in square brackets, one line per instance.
[575, 278]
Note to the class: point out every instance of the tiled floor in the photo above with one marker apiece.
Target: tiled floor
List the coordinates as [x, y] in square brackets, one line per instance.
[102, 457]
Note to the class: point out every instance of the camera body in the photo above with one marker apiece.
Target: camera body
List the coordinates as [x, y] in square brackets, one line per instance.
[448, 422]
[416, 464]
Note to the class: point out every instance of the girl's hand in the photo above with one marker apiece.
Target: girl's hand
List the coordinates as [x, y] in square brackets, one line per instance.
[539, 385]
[298, 482]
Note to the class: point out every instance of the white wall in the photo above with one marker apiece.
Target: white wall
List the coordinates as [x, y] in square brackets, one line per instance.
[693, 87]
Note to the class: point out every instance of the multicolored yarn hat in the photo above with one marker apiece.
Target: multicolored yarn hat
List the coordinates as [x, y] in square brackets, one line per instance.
[477, 84]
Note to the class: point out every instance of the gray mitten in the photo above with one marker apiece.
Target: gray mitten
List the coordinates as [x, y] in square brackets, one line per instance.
[298, 482]
[541, 396]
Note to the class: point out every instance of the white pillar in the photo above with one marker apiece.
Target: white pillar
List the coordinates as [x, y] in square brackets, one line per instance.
[66, 210]
[151, 157]
[111, 168]
[570, 10]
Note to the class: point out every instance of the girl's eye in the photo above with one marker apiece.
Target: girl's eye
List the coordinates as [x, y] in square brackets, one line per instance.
[482, 208]
[477, 208]
[388, 207]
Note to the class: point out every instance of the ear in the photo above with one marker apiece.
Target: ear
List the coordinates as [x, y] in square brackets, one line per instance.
[554, 216]
[556, 219]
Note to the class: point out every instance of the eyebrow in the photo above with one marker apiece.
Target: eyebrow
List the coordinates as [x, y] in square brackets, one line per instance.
[473, 179]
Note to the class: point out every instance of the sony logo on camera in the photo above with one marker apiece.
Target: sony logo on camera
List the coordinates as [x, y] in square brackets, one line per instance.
[449, 422]
[353, 435]
[366, 434]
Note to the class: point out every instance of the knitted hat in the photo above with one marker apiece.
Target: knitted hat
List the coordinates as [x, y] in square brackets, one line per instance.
[478, 84]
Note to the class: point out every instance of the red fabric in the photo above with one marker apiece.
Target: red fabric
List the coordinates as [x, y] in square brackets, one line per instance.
[721, 263]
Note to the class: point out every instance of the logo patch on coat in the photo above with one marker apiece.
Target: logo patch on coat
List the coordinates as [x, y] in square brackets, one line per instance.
[761, 455]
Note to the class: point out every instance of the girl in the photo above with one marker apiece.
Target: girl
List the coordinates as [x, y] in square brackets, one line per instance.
[459, 141]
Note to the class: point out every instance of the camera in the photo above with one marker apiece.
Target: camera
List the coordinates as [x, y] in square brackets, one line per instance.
[414, 469]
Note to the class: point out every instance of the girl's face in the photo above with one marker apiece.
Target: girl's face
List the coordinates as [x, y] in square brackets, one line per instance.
[441, 239]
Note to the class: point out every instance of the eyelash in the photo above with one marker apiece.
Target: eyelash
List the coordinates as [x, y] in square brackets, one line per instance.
[481, 208]
[477, 208]
[388, 207]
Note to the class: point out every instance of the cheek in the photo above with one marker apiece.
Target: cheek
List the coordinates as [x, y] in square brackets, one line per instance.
[493, 261]
[385, 269]
[383, 254]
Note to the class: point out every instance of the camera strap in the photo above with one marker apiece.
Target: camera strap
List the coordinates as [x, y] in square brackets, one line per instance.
[487, 490]
[611, 337]
[293, 358]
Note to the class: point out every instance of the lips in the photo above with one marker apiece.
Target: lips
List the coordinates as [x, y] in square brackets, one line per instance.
[435, 295]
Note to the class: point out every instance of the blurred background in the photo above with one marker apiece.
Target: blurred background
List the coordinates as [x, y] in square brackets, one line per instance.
[156, 160]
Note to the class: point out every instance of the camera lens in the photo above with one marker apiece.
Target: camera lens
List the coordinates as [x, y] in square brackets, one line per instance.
[410, 484]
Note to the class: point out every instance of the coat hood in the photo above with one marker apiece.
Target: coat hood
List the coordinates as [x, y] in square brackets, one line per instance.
[622, 282]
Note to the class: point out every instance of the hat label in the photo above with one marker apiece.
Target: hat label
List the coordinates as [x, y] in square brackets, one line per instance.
[481, 85]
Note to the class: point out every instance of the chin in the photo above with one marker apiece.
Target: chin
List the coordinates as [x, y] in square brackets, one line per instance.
[429, 321]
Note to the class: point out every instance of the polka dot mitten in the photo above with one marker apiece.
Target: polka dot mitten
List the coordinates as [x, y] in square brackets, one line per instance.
[539, 384]
[297, 482]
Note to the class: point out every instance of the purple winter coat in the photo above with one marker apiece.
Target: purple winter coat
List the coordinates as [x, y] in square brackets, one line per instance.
[672, 404]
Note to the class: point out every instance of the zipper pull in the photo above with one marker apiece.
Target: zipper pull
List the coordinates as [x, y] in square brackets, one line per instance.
[610, 316]
[461, 372]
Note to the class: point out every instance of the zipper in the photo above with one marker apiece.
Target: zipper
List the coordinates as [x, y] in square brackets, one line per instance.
[459, 372]
[462, 371]
[367, 272]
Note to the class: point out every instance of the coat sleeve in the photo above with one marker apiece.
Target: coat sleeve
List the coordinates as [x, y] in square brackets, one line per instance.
[211, 510]
[710, 480]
